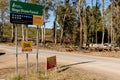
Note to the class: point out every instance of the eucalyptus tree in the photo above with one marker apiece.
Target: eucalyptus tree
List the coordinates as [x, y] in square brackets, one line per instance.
[92, 24]
[3, 10]
[67, 20]
[80, 12]
[109, 20]
[55, 4]
[103, 26]
[96, 21]
[87, 25]
[81, 7]
[116, 20]
[113, 18]
[47, 4]
[92, 20]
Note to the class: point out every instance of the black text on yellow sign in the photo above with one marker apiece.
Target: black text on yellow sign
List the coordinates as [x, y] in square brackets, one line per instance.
[26, 46]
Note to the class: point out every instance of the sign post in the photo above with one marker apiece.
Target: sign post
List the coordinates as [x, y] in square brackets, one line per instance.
[37, 41]
[26, 47]
[16, 37]
[28, 14]
[26, 53]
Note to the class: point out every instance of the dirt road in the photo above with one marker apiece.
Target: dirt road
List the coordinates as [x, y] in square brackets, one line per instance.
[109, 67]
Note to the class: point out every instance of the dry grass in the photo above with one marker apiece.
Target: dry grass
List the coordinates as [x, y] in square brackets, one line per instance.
[112, 54]
[62, 48]
[63, 73]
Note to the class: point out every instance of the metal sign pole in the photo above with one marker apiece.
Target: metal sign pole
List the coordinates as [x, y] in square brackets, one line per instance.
[23, 32]
[26, 14]
[16, 48]
[37, 42]
[26, 53]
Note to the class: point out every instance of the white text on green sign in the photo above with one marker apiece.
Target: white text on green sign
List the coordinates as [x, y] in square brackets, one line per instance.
[25, 8]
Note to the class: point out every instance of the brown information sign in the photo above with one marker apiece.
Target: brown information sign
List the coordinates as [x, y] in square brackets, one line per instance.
[51, 62]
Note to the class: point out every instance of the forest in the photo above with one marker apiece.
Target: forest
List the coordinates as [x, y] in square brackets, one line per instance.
[76, 22]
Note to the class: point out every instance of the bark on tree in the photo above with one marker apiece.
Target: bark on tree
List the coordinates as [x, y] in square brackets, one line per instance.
[81, 25]
[103, 23]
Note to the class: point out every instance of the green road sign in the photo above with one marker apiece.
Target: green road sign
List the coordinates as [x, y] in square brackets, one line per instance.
[26, 13]
[25, 8]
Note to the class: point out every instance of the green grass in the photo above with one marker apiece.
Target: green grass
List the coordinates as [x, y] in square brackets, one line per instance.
[18, 78]
[31, 31]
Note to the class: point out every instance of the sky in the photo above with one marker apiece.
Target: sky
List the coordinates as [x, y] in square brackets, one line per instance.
[51, 19]
[49, 24]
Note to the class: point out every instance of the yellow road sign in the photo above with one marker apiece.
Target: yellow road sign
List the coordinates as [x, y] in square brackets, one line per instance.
[26, 46]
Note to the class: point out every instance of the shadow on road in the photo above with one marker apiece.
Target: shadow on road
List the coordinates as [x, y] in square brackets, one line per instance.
[65, 67]
[2, 53]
